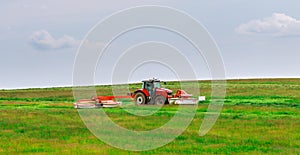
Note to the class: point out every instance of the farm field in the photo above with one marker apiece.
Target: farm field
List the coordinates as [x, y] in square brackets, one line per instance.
[259, 116]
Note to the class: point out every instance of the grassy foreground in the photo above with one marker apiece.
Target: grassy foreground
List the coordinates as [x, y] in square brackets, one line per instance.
[260, 116]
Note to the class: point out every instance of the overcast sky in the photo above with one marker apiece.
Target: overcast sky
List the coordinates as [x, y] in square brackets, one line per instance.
[39, 39]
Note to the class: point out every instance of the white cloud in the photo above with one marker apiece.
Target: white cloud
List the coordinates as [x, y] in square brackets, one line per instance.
[279, 24]
[43, 40]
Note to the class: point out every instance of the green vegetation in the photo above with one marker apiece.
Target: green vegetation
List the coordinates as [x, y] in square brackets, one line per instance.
[260, 116]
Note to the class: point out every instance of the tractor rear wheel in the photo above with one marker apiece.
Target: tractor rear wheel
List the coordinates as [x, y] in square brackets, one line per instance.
[160, 100]
[139, 98]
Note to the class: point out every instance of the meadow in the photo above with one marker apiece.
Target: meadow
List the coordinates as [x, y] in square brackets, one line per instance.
[259, 116]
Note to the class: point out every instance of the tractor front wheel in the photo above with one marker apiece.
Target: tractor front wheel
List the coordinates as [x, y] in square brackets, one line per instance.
[160, 100]
[139, 98]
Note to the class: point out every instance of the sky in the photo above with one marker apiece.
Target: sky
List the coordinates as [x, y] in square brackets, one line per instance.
[39, 40]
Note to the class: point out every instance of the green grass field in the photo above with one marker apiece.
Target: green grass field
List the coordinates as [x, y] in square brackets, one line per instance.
[259, 116]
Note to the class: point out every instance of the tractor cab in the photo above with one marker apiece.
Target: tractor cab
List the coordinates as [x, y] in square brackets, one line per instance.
[152, 82]
[151, 85]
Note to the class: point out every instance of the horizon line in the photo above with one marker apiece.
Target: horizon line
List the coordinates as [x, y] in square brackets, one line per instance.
[98, 84]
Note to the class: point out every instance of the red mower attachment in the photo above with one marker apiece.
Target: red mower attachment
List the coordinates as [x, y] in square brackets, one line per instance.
[182, 97]
[99, 102]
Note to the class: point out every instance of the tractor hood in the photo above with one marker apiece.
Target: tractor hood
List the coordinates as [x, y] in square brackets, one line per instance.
[164, 89]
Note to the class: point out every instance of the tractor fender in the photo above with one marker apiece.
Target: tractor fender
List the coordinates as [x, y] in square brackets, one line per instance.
[144, 91]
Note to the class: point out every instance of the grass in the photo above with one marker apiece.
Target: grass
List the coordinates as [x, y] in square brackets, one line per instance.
[260, 116]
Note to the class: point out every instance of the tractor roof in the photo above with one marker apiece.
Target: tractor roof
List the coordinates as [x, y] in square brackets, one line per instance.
[152, 80]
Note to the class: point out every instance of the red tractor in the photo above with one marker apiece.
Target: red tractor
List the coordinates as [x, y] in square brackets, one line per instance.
[152, 93]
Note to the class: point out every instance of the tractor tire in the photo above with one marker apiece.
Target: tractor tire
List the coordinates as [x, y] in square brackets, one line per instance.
[160, 100]
[139, 98]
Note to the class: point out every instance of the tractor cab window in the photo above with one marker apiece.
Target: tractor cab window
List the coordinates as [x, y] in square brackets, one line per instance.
[157, 85]
[150, 85]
